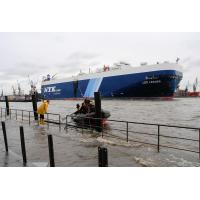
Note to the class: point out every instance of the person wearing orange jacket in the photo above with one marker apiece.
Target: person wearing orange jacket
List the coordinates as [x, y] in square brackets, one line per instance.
[42, 109]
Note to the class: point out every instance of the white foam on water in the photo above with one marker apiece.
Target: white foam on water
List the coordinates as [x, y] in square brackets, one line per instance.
[144, 163]
[118, 142]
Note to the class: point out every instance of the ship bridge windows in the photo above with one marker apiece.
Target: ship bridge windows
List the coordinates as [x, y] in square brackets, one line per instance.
[173, 76]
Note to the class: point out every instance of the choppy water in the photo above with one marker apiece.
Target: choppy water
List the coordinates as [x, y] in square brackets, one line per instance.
[183, 111]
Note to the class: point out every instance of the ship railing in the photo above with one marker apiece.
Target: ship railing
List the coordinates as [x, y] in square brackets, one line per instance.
[183, 138]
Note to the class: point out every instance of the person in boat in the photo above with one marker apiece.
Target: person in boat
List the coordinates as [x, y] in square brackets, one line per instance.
[78, 109]
[42, 109]
[86, 107]
[90, 107]
[77, 106]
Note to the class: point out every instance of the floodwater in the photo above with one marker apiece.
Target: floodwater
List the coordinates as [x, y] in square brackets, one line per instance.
[77, 149]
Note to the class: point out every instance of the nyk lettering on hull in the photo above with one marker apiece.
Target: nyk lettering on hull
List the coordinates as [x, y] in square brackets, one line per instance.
[51, 89]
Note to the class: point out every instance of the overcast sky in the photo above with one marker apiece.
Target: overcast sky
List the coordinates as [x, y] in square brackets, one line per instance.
[65, 54]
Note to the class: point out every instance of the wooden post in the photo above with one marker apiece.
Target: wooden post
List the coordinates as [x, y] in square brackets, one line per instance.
[103, 156]
[5, 135]
[97, 98]
[7, 105]
[34, 102]
[51, 151]
[23, 146]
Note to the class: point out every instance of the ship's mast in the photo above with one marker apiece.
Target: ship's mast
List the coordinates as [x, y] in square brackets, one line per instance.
[14, 90]
[195, 85]
[187, 87]
[19, 89]
[33, 89]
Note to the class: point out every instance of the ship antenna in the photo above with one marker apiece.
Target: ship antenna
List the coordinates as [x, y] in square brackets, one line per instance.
[53, 76]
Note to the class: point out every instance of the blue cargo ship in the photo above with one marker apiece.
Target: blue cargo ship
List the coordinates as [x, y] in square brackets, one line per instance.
[120, 80]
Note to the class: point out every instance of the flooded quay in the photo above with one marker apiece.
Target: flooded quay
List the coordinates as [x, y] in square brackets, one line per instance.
[77, 148]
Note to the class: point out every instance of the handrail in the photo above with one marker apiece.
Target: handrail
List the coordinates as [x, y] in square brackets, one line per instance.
[142, 123]
[125, 131]
[158, 135]
[20, 112]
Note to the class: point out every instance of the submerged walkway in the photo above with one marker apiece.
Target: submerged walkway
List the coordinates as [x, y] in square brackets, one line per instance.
[73, 148]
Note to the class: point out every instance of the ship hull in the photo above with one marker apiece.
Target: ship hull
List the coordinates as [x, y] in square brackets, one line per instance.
[160, 83]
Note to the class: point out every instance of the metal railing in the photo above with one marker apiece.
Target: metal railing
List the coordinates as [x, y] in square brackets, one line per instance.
[90, 124]
[26, 115]
[125, 133]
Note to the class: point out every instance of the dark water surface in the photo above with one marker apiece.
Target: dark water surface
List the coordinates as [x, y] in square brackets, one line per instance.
[183, 111]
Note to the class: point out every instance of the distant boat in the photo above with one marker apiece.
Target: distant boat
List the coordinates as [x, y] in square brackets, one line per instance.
[120, 80]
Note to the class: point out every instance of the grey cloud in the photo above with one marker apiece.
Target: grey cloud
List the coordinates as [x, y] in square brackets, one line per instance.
[78, 61]
[186, 60]
[82, 56]
[20, 70]
[195, 63]
[24, 54]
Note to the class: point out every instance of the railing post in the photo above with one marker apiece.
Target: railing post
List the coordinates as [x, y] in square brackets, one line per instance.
[83, 125]
[51, 151]
[7, 105]
[1, 112]
[5, 113]
[199, 143]
[4, 135]
[48, 120]
[127, 131]
[103, 157]
[22, 115]
[158, 147]
[10, 113]
[66, 123]
[29, 120]
[59, 123]
[23, 147]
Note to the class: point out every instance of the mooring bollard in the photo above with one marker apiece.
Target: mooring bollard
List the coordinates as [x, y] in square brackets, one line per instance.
[51, 151]
[23, 147]
[7, 105]
[34, 102]
[97, 98]
[4, 135]
[103, 156]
